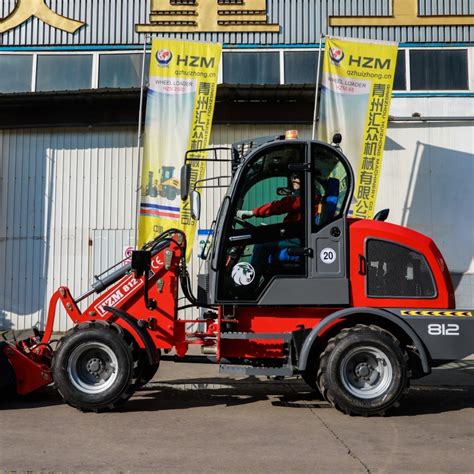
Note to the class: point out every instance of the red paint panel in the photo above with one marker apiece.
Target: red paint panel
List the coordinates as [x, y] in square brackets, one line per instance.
[362, 230]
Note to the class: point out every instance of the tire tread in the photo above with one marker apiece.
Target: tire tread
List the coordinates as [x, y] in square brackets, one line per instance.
[328, 392]
[118, 332]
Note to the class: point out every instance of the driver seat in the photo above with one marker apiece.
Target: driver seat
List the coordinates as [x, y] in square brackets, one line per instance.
[328, 205]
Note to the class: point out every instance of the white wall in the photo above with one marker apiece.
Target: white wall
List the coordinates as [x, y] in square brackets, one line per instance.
[427, 181]
[61, 190]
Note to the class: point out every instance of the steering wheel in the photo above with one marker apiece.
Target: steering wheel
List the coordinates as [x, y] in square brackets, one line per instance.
[243, 223]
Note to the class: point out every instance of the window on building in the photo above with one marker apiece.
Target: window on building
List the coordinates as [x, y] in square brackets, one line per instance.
[301, 67]
[436, 69]
[63, 72]
[400, 82]
[122, 70]
[252, 68]
[16, 73]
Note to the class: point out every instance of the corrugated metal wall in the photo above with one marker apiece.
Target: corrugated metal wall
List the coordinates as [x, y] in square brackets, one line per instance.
[302, 22]
[68, 205]
[68, 202]
[68, 210]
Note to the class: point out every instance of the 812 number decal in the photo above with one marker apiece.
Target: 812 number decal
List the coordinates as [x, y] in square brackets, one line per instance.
[443, 329]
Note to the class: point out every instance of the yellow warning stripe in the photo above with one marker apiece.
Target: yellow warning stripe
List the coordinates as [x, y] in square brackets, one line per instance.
[458, 314]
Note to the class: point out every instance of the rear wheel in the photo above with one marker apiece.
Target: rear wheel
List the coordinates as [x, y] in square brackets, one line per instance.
[93, 367]
[310, 374]
[363, 371]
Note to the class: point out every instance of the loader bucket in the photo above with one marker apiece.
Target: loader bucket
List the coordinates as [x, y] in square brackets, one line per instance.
[25, 362]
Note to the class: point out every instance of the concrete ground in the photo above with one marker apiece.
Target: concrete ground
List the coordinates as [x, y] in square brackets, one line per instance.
[191, 420]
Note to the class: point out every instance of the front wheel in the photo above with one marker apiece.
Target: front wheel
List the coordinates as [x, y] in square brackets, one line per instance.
[146, 371]
[93, 367]
[363, 371]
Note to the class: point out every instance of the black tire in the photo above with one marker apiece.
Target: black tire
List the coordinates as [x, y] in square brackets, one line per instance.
[310, 377]
[310, 374]
[146, 371]
[93, 367]
[363, 371]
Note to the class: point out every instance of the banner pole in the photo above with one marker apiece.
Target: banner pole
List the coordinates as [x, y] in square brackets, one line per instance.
[139, 138]
[318, 70]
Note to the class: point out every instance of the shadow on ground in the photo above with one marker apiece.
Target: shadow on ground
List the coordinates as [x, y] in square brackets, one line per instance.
[182, 394]
[43, 397]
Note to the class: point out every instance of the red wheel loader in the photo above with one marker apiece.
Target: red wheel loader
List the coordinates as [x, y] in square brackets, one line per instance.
[292, 285]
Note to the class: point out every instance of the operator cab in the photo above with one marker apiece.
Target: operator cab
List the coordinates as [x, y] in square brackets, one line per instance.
[282, 225]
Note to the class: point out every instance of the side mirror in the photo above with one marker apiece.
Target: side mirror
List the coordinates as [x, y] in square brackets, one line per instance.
[185, 181]
[195, 205]
[382, 215]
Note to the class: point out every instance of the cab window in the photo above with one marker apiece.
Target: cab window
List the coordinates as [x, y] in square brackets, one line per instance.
[268, 219]
[395, 271]
[329, 179]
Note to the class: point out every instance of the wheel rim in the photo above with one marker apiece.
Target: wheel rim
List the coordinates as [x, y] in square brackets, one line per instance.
[92, 367]
[366, 372]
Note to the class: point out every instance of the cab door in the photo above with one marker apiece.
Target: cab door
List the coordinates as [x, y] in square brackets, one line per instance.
[330, 192]
[267, 217]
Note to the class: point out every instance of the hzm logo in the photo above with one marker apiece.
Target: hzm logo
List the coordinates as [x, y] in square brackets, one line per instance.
[112, 300]
[369, 63]
[195, 61]
[118, 295]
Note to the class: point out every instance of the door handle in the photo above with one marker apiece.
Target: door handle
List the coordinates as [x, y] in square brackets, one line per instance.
[300, 252]
[362, 265]
[238, 238]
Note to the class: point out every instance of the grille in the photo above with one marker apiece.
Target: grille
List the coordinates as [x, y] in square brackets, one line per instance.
[394, 271]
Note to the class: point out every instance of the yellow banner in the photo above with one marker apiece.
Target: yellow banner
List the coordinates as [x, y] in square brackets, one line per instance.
[180, 106]
[356, 90]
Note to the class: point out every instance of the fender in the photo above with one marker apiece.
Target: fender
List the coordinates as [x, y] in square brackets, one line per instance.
[142, 333]
[354, 312]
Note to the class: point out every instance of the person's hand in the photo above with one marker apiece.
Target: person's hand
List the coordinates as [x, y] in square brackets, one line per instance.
[244, 214]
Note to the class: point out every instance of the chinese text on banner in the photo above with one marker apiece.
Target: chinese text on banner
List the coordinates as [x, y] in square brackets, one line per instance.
[180, 106]
[355, 101]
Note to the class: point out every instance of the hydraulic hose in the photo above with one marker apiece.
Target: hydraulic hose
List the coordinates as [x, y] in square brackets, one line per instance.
[156, 245]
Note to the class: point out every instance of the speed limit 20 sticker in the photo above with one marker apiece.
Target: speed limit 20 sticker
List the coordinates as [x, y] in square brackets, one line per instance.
[328, 255]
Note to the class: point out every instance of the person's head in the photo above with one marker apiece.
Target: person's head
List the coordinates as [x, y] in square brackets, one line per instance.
[295, 180]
